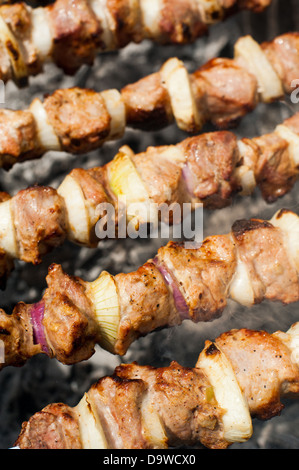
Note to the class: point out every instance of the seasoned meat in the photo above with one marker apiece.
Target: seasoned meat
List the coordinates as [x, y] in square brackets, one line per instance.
[145, 303]
[170, 390]
[180, 22]
[204, 154]
[263, 369]
[275, 172]
[69, 322]
[75, 30]
[118, 403]
[261, 246]
[79, 118]
[76, 33]
[39, 220]
[18, 18]
[225, 91]
[283, 53]
[258, 260]
[55, 427]
[18, 137]
[203, 274]
[161, 175]
[147, 103]
[242, 374]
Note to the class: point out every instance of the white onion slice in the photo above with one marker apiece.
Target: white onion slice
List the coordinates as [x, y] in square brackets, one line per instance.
[91, 431]
[46, 134]
[117, 111]
[177, 81]
[244, 174]
[246, 180]
[152, 427]
[240, 289]
[11, 44]
[237, 425]
[41, 33]
[128, 187]
[250, 55]
[103, 294]
[293, 140]
[151, 13]
[77, 213]
[288, 221]
[8, 240]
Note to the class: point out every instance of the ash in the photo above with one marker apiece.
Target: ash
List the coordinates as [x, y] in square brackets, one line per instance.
[41, 381]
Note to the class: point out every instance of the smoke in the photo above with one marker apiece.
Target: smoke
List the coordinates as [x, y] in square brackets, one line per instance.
[41, 381]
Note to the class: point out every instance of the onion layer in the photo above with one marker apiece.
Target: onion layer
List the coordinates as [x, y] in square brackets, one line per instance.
[170, 280]
[37, 315]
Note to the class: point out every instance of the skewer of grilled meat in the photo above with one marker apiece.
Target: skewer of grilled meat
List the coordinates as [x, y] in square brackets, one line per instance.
[222, 91]
[71, 32]
[208, 169]
[242, 374]
[257, 260]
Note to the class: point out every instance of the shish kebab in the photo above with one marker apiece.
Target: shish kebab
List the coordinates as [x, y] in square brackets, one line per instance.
[242, 374]
[222, 91]
[258, 260]
[71, 32]
[208, 169]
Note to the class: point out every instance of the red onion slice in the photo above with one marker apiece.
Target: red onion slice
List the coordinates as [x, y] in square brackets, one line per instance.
[37, 315]
[170, 280]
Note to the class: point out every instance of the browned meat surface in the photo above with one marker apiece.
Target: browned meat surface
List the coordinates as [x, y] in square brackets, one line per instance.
[272, 274]
[69, 323]
[203, 274]
[263, 368]
[40, 222]
[145, 304]
[181, 398]
[283, 54]
[76, 33]
[170, 390]
[180, 22]
[206, 153]
[18, 137]
[275, 172]
[147, 103]
[162, 177]
[225, 91]
[118, 403]
[179, 283]
[127, 22]
[4, 196]
[17, 335]
[18, 18]
[55, 427]
[201, 169]
[79, 118]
